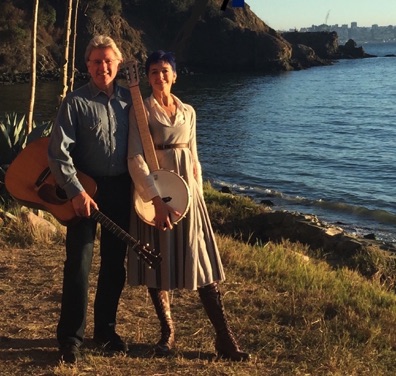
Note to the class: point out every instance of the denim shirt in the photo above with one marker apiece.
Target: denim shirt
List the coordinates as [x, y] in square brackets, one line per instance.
[90, 134]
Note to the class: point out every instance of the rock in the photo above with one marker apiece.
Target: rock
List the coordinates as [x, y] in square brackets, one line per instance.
[333, 231]
[324, 43]
[350, 51]
[39, 223]
[305, 57]
[266, 203]
[225, 190]
[7, 215]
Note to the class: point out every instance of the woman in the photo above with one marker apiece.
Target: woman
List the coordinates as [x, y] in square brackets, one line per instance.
[190, 257]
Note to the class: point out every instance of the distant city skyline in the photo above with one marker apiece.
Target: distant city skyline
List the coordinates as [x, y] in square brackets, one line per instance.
[291, 14]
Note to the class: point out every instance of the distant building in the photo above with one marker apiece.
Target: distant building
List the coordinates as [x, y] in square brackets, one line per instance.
[375, 33]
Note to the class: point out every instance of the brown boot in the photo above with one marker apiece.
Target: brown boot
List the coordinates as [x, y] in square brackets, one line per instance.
[226, 345]
[161, 303]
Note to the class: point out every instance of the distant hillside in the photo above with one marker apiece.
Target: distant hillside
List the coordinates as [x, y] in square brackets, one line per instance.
[234, 39]
[203, 37]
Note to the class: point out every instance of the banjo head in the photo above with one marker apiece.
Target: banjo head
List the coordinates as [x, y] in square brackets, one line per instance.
[173, 189]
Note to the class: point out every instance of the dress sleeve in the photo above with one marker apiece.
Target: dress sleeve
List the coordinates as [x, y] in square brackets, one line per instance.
[194, 151]
[137, 166]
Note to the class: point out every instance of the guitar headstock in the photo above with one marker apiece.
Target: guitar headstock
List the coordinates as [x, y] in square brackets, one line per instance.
[132, 73]
[151, 256]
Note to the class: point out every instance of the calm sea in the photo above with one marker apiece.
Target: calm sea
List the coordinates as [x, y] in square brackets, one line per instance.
[319, 141]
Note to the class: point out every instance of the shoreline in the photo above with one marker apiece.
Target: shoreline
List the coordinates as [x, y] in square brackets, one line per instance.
[309, 229]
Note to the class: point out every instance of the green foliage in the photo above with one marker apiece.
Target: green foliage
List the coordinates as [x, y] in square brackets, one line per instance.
[13, 138]
[108, 7]
[112, 7]
[16, 19]
[46, 14]
[14, 24]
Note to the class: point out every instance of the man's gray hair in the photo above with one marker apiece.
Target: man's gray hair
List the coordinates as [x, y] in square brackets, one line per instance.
[102, 41]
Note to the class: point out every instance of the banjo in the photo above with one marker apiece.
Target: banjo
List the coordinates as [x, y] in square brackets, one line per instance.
[171, 187]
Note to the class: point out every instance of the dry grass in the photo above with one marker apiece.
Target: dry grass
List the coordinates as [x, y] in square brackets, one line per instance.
[294, 314]
[30, 287]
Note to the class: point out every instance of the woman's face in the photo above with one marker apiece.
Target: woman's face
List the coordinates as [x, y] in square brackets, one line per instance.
[161, 77]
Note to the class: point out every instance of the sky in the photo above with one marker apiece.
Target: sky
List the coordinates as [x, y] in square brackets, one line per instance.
[295, 14]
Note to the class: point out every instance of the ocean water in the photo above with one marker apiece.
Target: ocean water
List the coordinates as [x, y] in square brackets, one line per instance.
[318, 141]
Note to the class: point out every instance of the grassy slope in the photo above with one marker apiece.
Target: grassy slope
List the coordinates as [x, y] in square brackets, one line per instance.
[295, 314]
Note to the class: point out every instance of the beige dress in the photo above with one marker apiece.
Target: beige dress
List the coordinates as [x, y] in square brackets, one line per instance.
[190, 257]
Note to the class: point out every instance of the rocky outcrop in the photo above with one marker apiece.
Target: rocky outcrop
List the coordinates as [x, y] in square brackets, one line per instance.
[370, 257]
[350, 50]
[305, 57]
[204, 38]
[308, 229]
[325, 45]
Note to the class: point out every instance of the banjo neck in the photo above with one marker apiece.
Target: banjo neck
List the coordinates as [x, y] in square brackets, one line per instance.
[141, 117]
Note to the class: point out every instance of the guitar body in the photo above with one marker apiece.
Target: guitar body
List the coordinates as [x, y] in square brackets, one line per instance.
[22, 175]
[172, 189]
[29, 180]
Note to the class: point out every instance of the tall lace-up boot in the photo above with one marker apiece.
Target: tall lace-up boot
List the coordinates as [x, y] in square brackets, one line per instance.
[161, 303]
[226, 344]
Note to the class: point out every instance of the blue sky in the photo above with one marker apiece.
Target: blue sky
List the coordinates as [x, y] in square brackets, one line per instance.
[289, 14]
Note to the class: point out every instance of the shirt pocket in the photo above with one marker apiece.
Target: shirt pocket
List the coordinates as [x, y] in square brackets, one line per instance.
[92, 127]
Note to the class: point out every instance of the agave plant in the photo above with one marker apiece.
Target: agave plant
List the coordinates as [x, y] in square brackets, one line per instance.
[13, 139]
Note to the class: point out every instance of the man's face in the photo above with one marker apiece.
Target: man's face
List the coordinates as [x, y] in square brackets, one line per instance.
[103, 67]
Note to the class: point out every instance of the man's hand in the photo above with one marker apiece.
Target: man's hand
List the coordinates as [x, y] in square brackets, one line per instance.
[82, 204]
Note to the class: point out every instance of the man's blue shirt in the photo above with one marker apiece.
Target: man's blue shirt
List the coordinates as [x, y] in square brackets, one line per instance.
[92, 131]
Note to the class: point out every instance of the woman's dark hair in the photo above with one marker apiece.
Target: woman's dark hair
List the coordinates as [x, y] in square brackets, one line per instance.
[160, 55]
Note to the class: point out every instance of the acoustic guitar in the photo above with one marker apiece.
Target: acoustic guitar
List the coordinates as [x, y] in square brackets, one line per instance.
[171, 187]
[29, 181]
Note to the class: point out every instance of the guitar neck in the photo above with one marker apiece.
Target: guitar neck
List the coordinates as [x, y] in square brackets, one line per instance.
[142, 251]
[145, 135]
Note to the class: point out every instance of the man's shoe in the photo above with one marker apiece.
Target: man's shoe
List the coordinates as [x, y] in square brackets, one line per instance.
[112, 342]
[70, 353]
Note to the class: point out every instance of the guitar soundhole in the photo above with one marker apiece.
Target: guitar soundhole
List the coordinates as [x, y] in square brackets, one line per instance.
[60, 193]
[52, 194]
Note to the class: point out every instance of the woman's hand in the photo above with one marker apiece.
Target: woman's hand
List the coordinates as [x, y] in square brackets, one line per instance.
[163, 213]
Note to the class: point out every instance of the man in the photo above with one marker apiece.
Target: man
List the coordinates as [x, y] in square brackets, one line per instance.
[90, 135]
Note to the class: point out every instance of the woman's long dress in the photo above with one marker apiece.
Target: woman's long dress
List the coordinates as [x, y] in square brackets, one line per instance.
[190, 257]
